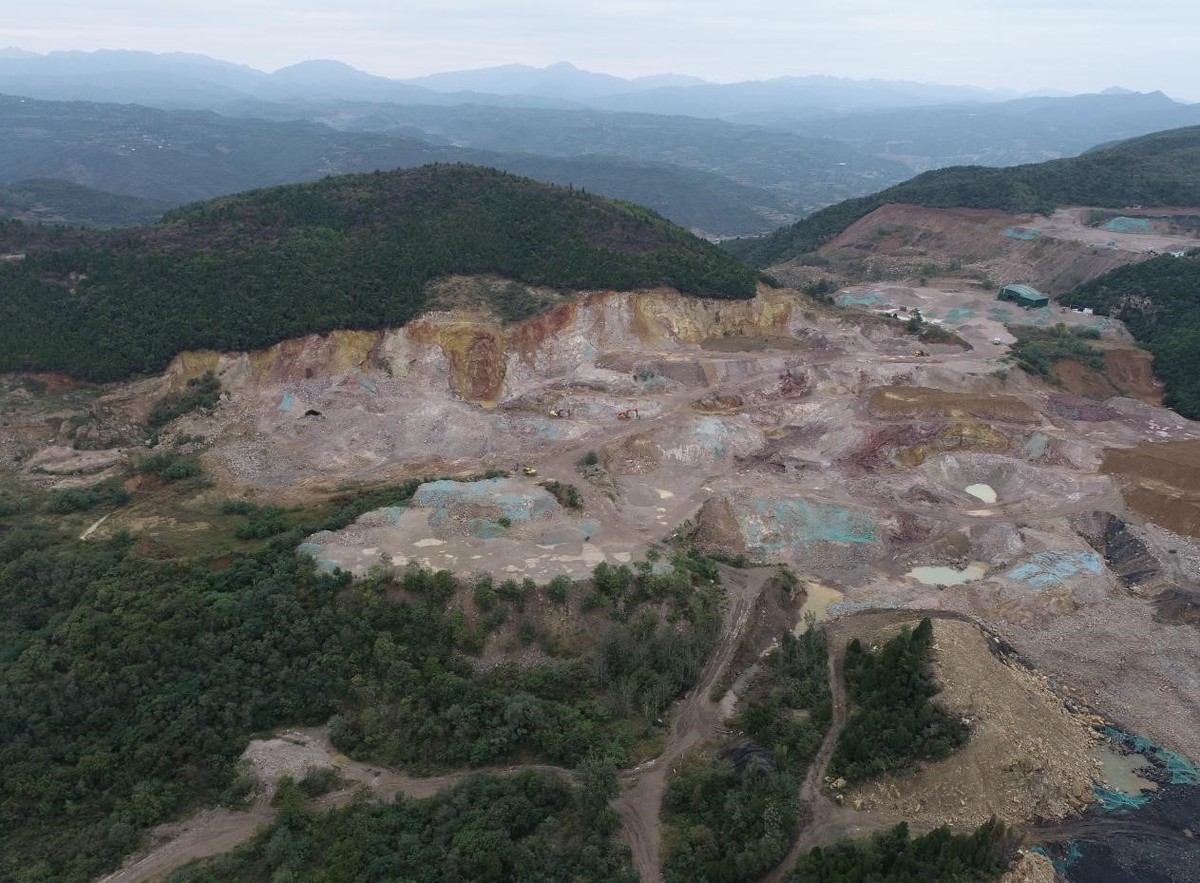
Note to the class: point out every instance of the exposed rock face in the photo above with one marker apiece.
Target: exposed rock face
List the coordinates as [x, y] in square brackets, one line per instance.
[784, 431]
[485, 362]
[1127, 556]
[1030, 867]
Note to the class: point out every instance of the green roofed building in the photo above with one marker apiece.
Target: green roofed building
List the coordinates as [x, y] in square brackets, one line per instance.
[1024, 295]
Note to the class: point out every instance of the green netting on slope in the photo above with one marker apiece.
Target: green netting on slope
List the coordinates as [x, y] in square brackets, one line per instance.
[1020, 233]
[867, 299]
[1129, 225]
[1111, 801]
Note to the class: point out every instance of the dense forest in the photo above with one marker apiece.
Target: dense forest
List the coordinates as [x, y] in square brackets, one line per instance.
[894, 722]
[129, 685]
[1158, 169]
[1159, 302]
[732, 817]
[356, 251]
[532, 827]
[893, 857]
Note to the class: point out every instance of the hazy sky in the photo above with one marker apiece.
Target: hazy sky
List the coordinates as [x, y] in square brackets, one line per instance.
[1022, 44]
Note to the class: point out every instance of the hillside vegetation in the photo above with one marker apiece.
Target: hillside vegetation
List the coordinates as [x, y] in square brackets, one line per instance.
[131, 684]
[533, 827]
[1158, 169]
[52, 201]
[1159, 302]
[351, 252]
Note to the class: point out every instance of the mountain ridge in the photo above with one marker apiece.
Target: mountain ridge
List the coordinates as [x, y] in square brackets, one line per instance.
[1159, 169]
[355, 251]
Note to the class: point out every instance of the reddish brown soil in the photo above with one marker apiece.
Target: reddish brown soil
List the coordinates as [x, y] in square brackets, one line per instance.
[1078, 379]
[1133, 372]
[907, 239]
[914, 402]
[1162, 482]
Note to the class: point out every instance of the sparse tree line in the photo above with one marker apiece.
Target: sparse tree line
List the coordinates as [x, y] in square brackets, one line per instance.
[732, 817]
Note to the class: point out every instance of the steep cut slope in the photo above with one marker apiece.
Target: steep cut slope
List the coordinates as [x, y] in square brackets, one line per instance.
[1158, 169]
[350, 252]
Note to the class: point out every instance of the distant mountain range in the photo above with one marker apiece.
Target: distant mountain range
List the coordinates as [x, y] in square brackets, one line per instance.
[721, 159]
[178, 80]
[998, 134]
[739, 181]
[562, 80]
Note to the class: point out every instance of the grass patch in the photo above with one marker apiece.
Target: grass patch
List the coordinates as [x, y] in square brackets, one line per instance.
[199, 393]
[567, 494]
[1038, 349]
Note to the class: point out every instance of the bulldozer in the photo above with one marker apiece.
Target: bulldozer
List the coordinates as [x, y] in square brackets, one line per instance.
[530, 471]
[628, 414]
[560, 413]
[920, 352]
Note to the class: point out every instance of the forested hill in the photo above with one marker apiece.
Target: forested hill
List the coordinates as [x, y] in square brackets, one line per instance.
[356, 251]
[1159, 302]
[1158, 169]
[50, 201]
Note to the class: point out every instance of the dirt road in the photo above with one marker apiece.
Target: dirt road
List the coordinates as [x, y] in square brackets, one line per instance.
[219, 830]
[821, 820]
[695, 719]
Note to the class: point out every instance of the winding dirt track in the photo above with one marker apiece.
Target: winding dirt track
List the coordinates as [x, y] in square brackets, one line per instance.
[695, 718]
[218, 831]
[821, 819]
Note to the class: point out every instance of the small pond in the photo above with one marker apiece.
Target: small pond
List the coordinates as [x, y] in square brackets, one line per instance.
[940, 575]
[982, 492]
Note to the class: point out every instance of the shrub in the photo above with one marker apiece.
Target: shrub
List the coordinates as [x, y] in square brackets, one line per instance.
[559, 589]
[200, 392]
[106, 494]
